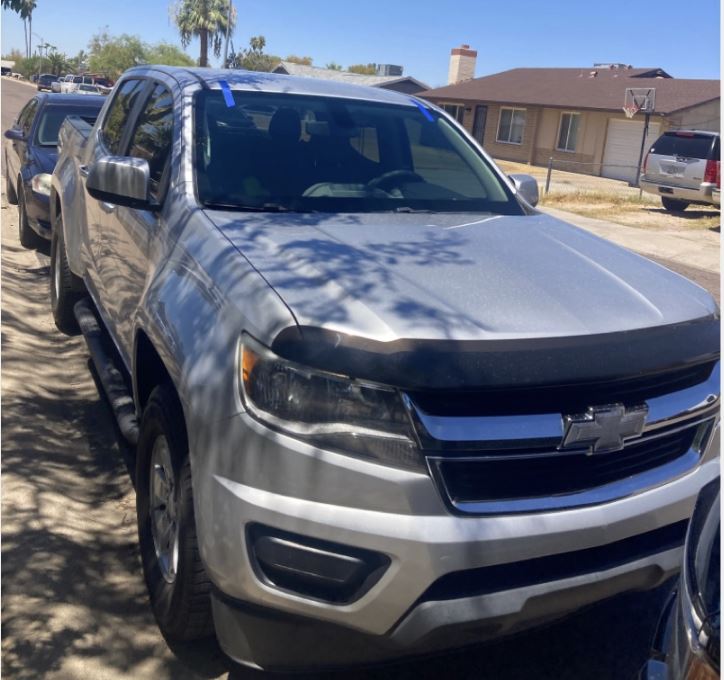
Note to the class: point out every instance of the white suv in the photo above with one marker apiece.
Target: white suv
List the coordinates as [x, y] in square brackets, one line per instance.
[683, 167]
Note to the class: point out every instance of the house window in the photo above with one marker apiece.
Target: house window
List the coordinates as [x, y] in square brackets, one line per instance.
[568, 132]
[457, 111]
[511, 126]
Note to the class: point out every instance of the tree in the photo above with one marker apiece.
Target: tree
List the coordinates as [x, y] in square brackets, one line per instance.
[333, 66]
[27, 67]
[58, 62]
[254, 58]
[363, 69]
[25, 9]
[113, 55]
[294, 59]
[79, 63]
[205, 19]
[167, 54]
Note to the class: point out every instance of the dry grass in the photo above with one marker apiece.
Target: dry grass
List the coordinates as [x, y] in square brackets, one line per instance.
[613, 201]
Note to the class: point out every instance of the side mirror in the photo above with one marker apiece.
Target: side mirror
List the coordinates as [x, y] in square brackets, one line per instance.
[527, 187]
[121, 180]
[15, 134]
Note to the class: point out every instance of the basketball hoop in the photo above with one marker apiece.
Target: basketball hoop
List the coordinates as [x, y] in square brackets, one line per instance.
[637, 99]
[641, 99]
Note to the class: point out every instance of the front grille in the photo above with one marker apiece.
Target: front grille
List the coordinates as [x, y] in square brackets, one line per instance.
[559, 398]
[500, 577]
[520, 475]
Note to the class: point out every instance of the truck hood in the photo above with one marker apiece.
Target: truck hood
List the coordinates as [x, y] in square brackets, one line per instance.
[458, 277]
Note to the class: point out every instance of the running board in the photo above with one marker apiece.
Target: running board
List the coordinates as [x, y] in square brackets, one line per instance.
[110, 375]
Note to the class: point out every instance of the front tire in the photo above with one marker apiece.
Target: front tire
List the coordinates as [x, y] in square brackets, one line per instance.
[177, 584]
[672, 205]
[10, 194]
[28, 238]
[65, 287]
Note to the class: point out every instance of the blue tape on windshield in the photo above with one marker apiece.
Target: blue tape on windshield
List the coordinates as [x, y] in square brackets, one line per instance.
[226, 91]
[425, 112]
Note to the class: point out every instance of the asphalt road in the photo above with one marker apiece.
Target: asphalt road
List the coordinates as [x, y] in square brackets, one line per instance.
[73, 600]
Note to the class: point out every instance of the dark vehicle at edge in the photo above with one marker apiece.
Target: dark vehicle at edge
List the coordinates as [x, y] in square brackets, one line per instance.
[45, 81]
[688, 640]
[31, 153]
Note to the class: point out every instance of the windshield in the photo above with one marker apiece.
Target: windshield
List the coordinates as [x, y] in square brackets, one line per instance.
[270, 152]
[52, 118]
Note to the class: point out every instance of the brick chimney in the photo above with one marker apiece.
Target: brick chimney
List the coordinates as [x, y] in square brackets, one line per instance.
[462, 64]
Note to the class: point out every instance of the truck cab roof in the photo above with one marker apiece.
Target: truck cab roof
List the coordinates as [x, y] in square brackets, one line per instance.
[238, 79]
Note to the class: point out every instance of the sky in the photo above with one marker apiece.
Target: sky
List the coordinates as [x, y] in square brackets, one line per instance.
[418, 35]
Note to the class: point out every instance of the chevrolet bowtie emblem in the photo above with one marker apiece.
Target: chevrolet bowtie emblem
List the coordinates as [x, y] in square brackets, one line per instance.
[603, 428]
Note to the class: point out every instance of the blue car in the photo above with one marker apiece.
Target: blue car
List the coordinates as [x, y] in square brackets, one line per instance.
[688, 640]
[30, 156]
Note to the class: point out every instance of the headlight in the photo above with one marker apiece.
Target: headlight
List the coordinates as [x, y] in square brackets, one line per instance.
[41, 184]
[330, 411]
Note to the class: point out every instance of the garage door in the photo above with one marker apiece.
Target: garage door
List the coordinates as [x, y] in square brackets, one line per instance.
[623, 145]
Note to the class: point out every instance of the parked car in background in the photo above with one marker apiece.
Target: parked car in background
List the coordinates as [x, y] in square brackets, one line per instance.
[688, 641]
[71, 83]
[89, 89]
[55, 85]
[45, 81]
[30, 148]
[381, 406]
[684, 168]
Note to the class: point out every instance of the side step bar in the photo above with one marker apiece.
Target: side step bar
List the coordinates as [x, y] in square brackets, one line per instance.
[110, 375]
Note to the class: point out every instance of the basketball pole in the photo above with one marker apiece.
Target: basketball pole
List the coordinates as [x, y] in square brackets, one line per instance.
[643, 146]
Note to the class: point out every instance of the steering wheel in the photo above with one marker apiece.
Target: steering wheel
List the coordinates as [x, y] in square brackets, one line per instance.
[394, 178]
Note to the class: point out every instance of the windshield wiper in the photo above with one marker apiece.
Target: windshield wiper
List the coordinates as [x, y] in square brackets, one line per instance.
[266, 207]
[408, 209]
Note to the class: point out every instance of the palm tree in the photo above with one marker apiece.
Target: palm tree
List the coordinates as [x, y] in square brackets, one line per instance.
[58, 62]
[205, 19]
[25, 9]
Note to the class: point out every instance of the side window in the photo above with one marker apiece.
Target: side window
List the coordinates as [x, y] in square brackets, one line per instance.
[25, 119]
[436, 161]
[365, 143]
[153, 135]
[117, 115]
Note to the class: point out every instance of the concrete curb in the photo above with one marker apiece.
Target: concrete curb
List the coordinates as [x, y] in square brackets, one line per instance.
[695, 248]
[22, 82]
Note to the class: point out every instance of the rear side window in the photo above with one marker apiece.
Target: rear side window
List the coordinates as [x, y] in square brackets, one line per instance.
[52, 118]
[25, 119]
[689, 145]
[117, 116]
[153, 135]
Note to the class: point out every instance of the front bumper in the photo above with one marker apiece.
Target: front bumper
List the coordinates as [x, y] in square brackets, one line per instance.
[331, 497]
[37, 207]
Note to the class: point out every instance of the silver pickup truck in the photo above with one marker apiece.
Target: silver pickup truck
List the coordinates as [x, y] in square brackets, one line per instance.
[381, 405]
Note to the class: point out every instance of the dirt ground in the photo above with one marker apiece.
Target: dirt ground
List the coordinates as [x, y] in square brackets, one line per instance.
[613, 200]
[74, 604]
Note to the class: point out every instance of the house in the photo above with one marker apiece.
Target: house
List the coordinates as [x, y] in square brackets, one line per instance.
[399, 83]
[573, 115]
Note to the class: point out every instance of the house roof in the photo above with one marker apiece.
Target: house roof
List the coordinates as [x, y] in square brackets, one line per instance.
[303, 71]
[577, 88]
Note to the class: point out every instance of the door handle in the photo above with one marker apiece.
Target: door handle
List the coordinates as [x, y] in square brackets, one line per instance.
[83, 169]
[107, 208]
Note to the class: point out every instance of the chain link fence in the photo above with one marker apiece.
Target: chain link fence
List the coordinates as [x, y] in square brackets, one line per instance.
[572, 166]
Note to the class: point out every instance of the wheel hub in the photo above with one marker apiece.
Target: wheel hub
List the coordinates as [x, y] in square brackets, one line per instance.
[163, 509]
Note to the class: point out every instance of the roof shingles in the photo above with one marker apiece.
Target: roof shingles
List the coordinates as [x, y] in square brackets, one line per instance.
[576, 88]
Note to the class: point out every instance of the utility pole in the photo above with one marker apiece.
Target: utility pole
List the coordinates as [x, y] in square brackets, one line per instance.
[228, 32]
